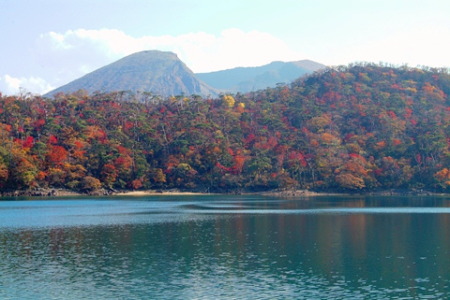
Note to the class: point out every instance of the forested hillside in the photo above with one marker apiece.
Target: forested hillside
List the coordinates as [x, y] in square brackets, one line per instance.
[356, 128]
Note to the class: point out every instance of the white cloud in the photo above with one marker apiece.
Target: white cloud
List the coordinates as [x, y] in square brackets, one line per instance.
[80, 50]
[10, 85]
[420, 46]
[11, 82]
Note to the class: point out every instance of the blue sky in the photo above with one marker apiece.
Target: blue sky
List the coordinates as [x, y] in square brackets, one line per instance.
[47, 43]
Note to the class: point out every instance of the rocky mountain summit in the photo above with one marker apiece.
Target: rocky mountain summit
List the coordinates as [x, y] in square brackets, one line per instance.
[158, 72]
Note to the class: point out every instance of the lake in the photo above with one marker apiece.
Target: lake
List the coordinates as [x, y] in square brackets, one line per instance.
[225, 247]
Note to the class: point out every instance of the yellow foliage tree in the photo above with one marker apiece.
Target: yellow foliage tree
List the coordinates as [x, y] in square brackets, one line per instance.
[229, 100]
[350, 181]
[443, 176]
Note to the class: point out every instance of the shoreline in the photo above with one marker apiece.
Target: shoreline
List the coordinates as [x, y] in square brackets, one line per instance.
[58, 192]
[157, 193]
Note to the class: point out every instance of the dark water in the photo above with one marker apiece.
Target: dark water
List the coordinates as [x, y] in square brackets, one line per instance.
[225, 247]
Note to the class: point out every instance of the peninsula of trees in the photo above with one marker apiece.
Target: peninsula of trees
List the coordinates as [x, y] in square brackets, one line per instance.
[352, 128]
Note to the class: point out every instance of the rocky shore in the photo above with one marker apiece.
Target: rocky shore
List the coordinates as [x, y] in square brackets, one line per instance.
[41, 192]
[56, 192]
[293, 193]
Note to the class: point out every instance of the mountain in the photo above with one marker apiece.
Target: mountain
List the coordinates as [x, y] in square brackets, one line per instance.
[161, 73]
[246, 79]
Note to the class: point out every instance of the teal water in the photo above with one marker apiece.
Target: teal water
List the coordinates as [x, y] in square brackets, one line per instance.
[226, 247]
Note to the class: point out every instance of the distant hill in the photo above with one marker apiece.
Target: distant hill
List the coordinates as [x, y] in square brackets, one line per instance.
[161, 73]
[246, 79]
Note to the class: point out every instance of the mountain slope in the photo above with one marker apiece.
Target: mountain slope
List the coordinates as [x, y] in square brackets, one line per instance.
[246, 79]
[161, 73]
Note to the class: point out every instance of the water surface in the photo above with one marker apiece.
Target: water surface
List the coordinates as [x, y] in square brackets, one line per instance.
[222, 247]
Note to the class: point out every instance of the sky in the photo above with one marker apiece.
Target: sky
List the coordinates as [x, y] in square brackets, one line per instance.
[48, 43]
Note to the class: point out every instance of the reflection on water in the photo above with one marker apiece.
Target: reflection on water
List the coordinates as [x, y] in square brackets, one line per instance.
[225, 247]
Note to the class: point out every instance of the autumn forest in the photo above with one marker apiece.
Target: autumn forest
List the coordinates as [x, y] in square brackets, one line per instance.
[354, 128]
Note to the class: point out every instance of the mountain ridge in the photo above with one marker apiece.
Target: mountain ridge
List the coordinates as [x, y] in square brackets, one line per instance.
[164, 74]
[246, 79]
